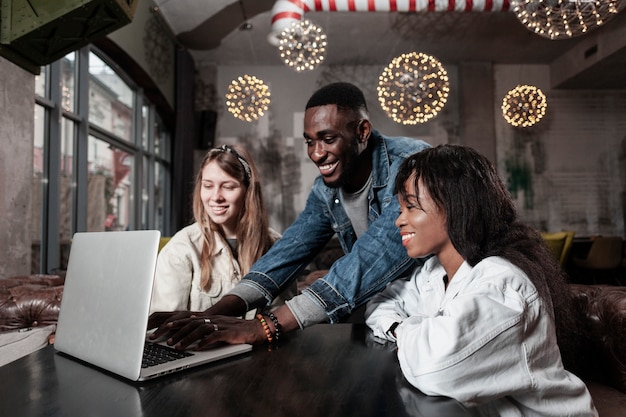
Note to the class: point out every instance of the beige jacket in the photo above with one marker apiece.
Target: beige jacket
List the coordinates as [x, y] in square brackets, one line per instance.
[177, 281]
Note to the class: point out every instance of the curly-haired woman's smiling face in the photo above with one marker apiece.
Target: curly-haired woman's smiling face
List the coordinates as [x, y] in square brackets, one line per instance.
[422, 224]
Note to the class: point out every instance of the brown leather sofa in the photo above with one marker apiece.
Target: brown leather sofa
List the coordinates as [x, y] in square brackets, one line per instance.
[603, 361]
[29, 309]
[32, 301]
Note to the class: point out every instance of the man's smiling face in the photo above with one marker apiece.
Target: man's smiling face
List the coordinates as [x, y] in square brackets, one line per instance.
[331, 138]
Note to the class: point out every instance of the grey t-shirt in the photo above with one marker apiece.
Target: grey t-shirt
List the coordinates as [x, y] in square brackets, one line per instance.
[356, 207]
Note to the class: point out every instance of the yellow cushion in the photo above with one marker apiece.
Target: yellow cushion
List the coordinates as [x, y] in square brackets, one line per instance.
[163, 241]
[559, 244]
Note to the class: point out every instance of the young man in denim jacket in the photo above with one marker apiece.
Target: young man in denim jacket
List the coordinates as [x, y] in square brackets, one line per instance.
[353, 198]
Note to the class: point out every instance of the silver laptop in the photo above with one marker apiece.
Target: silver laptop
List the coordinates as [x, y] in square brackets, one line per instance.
[106, 301]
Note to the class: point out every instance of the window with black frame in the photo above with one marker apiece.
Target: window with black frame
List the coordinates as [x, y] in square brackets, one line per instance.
[101, 156]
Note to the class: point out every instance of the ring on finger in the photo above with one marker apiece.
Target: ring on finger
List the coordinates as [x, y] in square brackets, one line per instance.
[215, 328]
[207, 321]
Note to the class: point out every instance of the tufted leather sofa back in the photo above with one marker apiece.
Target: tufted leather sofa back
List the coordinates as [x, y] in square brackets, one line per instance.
[30, 301]
[604, 310]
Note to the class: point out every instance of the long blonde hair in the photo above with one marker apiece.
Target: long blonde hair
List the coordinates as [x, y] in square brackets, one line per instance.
[253, 235]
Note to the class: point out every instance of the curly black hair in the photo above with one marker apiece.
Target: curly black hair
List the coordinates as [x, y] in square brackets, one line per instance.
[344, 95]
[482, 221]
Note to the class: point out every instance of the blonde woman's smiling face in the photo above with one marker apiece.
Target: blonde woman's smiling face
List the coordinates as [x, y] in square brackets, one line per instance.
[223, 197]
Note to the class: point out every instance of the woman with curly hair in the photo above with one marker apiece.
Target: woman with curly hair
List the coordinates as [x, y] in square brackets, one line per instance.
[479, 321]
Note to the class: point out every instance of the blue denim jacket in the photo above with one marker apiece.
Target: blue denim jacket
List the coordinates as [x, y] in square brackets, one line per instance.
[372, 261]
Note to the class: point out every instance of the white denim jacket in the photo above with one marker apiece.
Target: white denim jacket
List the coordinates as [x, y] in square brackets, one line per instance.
[177, 282]
[487, 340]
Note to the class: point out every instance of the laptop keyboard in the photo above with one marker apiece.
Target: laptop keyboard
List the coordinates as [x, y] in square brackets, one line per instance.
[155, 354]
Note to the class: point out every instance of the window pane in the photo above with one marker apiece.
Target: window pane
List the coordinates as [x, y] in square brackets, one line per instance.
[110, 99]
[67, 190]
[159, 195]
[68, 82]
[145, 131]
[161, 140]
[41, 83]
[37, 188]
[145, 196]
[109, 187]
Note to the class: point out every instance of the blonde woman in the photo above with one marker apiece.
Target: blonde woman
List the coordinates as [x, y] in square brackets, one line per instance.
[206, 259]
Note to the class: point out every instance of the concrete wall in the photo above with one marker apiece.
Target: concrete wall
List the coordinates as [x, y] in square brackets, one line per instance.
[148, 41]
[17, 92]
[566, 173]
[477, 126]
[282, 125]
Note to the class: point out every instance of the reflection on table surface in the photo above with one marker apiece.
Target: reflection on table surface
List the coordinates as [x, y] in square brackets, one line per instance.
[325, 370]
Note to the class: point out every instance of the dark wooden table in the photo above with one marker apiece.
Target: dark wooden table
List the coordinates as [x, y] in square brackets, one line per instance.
[325, 371]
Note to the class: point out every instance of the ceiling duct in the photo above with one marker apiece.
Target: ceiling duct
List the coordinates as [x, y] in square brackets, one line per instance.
[34, 33]
[286, 12]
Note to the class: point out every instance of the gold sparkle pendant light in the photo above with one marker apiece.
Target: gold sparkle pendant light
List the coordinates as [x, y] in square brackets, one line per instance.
[413, 88]
[248, 98]
[524, 106]
[564, 19]
[302, 46]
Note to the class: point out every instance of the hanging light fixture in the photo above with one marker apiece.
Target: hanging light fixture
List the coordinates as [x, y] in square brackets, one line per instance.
[302, 46]
[563, 19]
[413, 88]
[524, 106]
[248, 98]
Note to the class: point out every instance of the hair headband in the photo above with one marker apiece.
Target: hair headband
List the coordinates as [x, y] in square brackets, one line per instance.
[242, 161]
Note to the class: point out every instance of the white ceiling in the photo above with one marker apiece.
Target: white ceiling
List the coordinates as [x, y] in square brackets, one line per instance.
[211, 30]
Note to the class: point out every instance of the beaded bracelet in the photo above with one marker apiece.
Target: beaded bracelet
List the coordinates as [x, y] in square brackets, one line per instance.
[266, 327]
[276, 325]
